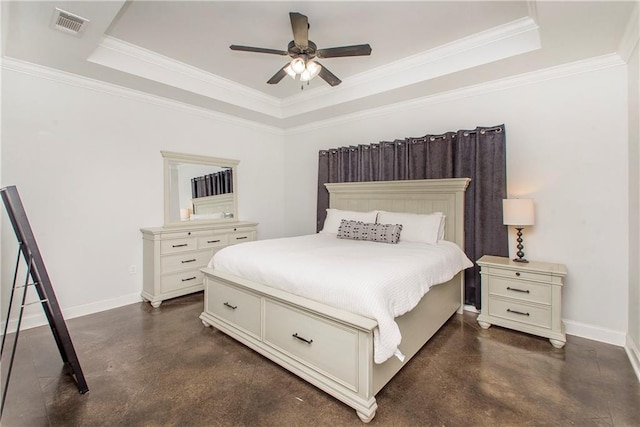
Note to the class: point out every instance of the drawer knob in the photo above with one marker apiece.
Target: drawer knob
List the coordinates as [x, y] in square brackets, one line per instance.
[232, 307]
[524, 291]
[518, 273]
[240, 238]
[517, 312]
[179, 246]
[188, 260]
[189, 278]
[302, 339]
[213, 241]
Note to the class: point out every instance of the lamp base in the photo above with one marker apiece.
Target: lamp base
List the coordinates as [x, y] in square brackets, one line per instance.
[520, 247]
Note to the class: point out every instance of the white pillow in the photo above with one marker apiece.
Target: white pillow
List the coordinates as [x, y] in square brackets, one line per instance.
[421, 228]
[334, 216]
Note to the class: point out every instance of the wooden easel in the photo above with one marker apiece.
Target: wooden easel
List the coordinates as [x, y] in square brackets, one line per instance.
[37, 273]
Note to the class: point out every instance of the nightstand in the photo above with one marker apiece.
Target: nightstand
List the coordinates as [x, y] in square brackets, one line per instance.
[523, 296]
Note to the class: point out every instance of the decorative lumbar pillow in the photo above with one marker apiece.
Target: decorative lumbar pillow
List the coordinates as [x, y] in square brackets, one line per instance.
[334, 216]
[420, 228]
[374, 232]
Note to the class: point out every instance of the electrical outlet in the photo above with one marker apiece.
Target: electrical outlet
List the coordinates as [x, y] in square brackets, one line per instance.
[133, 269]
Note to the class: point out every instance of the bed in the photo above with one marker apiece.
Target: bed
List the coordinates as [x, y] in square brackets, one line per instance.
[336, 351]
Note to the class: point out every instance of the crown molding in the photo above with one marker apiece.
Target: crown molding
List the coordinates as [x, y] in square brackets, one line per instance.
[631, 34]
[514, 38]
[551, 73]
[503, 41]
[40, 71]
[133, 59]
[566, 70]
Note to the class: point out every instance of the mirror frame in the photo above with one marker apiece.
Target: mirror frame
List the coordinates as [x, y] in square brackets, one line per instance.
[169, 157]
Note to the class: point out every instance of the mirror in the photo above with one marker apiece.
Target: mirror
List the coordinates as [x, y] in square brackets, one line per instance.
[198, 189]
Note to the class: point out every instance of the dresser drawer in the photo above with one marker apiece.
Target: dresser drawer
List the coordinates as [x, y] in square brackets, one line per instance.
[213, 241]
[323, 345]
[185, 261]
[234, 305]
[520, 289]
[178, 245]
[519, 275]
[240, 237]
[186, 279]
[512, 310]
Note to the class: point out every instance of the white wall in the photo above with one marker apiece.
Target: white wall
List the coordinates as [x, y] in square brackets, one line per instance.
[88, 168]
[633, 336]
[566, 148]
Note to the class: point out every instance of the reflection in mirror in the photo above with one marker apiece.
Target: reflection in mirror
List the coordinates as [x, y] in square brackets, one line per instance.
[199, 188]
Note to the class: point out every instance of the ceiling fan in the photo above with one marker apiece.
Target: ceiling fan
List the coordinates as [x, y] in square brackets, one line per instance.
[304, 53]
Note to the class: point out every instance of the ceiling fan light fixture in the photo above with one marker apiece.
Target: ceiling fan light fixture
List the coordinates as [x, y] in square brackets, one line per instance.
[289, 70]
[313, 68]
[305, 76]
[297, 65]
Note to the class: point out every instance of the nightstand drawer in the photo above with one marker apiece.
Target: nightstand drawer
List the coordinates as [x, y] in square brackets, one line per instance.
[532, 315]
[519, 275]
[520, 289]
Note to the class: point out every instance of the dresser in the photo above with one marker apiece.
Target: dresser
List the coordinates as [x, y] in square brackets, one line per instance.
[523, 296]
[173, 256]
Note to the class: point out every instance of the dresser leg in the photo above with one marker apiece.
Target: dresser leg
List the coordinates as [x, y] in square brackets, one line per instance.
[556, 343]
[484, 325]
[156, 304]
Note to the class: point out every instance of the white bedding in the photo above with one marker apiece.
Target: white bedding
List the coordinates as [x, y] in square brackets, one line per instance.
[377, 280]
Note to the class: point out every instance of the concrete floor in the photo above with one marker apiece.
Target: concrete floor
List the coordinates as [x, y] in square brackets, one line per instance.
[157, 367]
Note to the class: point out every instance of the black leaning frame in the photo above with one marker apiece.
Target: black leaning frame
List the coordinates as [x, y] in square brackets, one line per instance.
[41, 281]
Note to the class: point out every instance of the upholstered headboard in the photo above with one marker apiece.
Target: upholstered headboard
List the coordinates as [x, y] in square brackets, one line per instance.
[415, 196]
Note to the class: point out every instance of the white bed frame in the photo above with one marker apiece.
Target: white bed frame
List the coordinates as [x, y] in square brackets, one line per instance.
[329, 347]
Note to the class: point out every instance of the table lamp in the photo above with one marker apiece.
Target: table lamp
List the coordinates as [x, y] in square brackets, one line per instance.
[518, 212]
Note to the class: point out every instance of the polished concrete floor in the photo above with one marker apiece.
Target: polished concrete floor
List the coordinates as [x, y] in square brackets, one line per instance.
[157, 367]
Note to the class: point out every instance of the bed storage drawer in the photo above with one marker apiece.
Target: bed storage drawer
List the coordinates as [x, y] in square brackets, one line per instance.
[323, 345]
[235, 306]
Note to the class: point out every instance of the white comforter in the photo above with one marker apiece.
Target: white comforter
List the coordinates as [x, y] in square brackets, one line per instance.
[377, 280]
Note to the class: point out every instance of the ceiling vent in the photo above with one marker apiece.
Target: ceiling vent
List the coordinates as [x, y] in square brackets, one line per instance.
[68, 22]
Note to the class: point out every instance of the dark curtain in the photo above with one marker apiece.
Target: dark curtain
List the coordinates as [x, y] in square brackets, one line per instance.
[479, 154]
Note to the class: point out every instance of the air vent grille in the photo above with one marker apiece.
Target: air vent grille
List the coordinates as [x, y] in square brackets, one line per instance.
[68, 22]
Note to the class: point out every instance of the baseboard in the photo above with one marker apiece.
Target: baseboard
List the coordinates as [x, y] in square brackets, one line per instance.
[470, 308]
[596, 333]
[634, 355]
[35, 320]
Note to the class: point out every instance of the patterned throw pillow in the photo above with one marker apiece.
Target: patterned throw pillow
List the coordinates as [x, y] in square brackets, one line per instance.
[358, 230]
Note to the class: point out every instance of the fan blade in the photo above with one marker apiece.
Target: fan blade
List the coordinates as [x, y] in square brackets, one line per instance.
[258, 50]
[335, 52]
[328, 76]
[300, 27]
[278, 76]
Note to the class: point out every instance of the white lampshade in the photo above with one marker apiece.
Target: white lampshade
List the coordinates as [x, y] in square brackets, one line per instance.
[305, 76]
[290, 71]
[313, 68]
[298, 65]
[517, 212]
